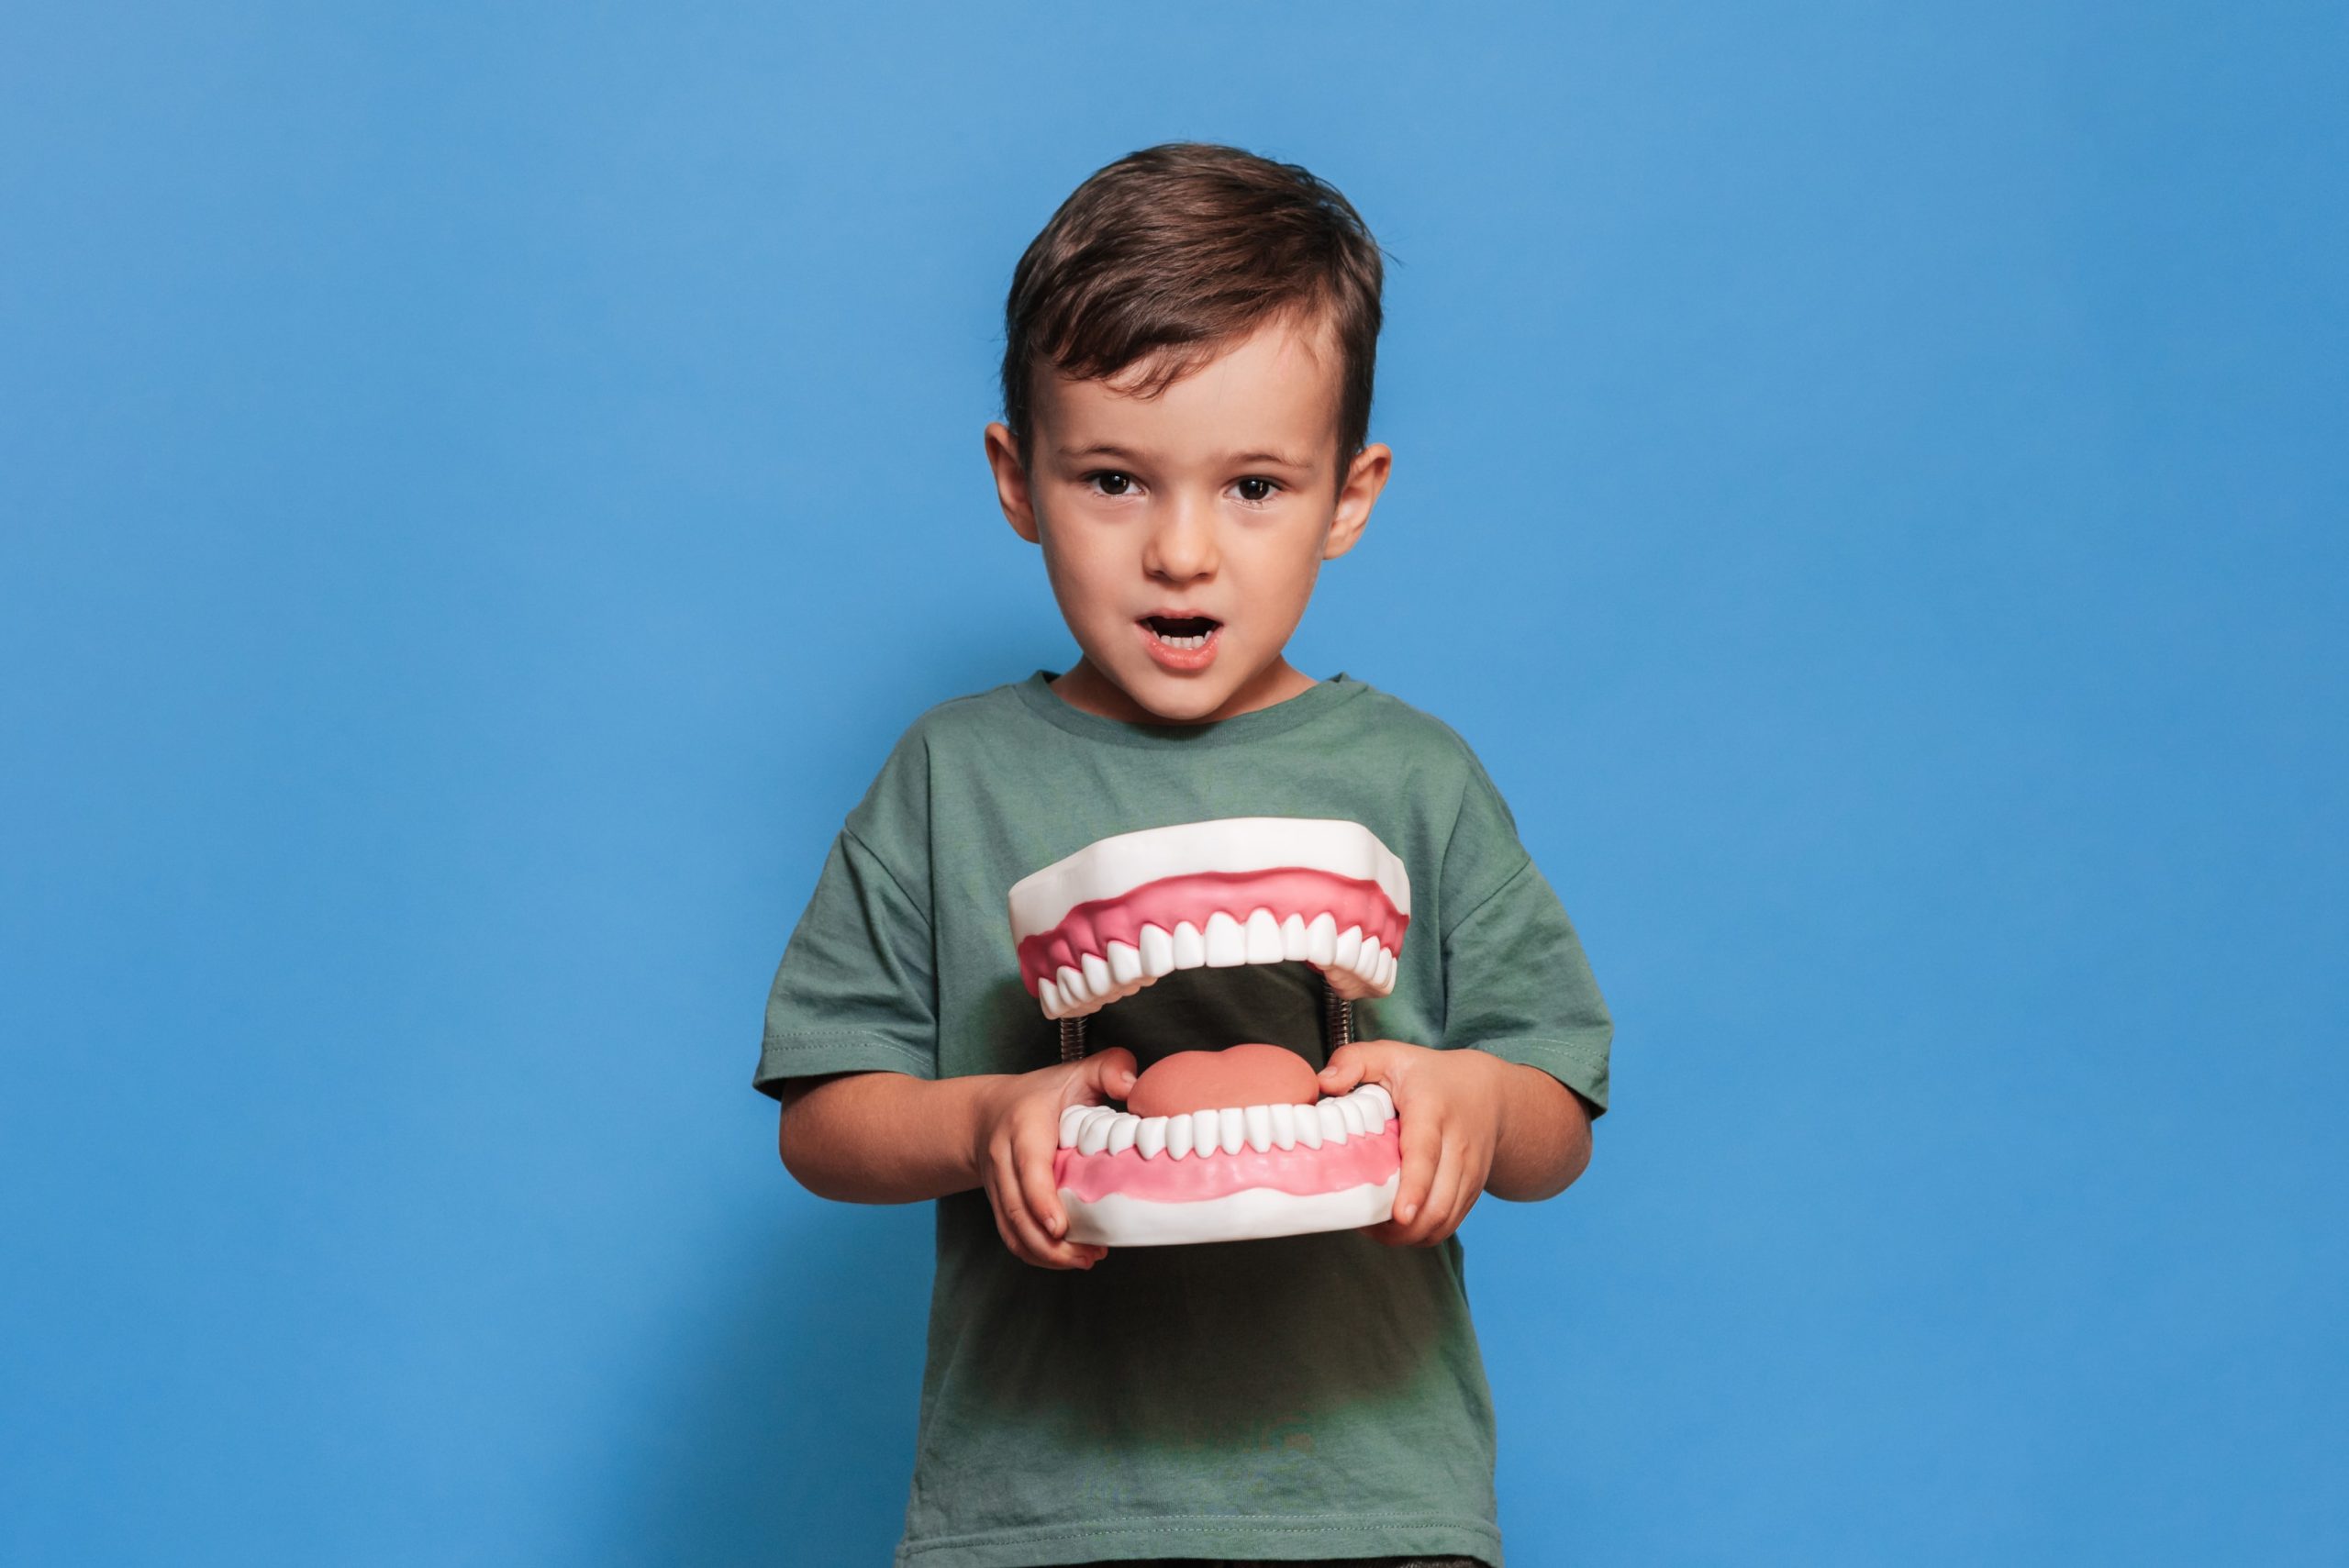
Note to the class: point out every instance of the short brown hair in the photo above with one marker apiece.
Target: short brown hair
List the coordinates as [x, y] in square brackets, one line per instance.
[1185, 248]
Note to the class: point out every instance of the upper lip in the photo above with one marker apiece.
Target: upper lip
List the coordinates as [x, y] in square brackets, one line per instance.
[1178, 615]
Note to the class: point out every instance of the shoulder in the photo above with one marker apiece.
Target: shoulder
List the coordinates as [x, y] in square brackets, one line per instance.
[1413, 736]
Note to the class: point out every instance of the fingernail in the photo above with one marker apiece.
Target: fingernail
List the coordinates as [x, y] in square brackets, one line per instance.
[1409, 1209]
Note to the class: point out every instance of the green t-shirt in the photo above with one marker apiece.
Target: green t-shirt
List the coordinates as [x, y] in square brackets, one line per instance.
[1294, 1398]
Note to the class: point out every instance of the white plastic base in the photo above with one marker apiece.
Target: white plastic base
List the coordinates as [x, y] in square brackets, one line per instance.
[1113, 1219]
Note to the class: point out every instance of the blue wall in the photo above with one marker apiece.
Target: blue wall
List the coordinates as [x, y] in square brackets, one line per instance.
[481, 488]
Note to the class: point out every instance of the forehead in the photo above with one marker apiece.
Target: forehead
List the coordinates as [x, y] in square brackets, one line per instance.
[1274, 389]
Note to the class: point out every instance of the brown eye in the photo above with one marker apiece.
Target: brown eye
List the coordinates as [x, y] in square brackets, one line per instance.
[1115, 483]
[1268, 488]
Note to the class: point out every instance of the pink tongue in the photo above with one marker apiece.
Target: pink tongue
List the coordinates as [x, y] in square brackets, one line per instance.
[1251, 1074]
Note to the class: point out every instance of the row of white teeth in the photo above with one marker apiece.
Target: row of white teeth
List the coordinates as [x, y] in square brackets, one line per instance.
[1196, 640]
[1364, 1113]
[1225, 944]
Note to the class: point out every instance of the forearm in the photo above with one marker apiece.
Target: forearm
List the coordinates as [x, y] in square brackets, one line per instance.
[1544, 1139]
[884, 1137]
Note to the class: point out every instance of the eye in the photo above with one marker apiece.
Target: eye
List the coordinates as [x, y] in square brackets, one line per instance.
[1270, 487]
[1116, 483]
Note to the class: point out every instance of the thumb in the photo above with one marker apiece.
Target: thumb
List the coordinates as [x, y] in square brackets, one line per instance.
[1346, 1067]
[1112, 1072]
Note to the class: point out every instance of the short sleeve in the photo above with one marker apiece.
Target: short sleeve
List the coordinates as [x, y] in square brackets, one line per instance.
[1515, 983]
[856, 988]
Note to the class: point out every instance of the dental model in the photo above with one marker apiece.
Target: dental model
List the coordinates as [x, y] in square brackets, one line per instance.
[1220, 1145]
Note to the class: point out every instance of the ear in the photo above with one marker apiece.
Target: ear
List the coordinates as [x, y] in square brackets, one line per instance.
[1365, 477]
[1011, 480]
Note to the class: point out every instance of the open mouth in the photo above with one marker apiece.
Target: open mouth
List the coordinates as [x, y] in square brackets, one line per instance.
[1185, 633]
[1185, 644]
[1231, 1158]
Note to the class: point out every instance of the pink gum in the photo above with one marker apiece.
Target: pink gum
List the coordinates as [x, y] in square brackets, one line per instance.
[1091, 927]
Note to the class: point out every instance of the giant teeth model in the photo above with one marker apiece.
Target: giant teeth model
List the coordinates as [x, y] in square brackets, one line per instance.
[1236, 1143]
[1126, 910]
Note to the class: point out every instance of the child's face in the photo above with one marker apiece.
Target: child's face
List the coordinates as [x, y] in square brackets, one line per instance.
[1218, 498]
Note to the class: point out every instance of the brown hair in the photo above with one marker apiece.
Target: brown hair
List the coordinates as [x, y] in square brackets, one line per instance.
[1185, 248]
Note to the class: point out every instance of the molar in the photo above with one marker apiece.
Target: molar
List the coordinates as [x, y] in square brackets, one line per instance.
[1094, 1131]
[1122, 1132]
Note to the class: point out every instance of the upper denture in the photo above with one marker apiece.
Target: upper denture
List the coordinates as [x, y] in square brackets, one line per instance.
[1122, 912]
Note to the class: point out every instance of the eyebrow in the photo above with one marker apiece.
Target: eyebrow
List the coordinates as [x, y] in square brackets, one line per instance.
[1072, 454]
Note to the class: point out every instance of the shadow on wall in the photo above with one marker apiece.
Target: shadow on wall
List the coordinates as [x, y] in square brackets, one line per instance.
[787, 1436]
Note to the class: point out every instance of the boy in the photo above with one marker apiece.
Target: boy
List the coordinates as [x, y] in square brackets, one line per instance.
[1186, 392]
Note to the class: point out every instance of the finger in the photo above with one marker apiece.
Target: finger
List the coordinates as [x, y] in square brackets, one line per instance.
[1111, 1072]
[1423, 1140]
[1039, 1194]
[1443, 1210]
[1033, 1161]
[1345, 1068]
[1034, 1246]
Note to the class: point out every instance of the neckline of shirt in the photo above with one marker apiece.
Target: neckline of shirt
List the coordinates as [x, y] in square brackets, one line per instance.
[1319, 698]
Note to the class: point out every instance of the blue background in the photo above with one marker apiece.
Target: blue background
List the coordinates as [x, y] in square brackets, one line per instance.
[481, 488]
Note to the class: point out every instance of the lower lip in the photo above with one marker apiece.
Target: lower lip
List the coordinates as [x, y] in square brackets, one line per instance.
[1182, 658]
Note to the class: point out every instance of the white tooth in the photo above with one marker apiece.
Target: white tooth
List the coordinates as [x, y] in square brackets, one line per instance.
[1293, 943]
[1178, 1137]
[1321, 938]
[1348, 949]
[1285, 1126]
[1157, 950]
[1125, 963]
[1309, 1126]
[1234, 1134]
[1096, 974]
[1263, 937]
[1122, 1132]
[1373, 1112]
[1388, 965]
[1074, 990]
[1351, 1114]
[1377, 1092]
[1227, 943]
[1093, 1130]
[1333, 1123]
[1069, 1120]
[1190, 948]
[1367, 960]
[1258, 1120]
[1049, 992]
[1151, 1137]
[1207, 1131]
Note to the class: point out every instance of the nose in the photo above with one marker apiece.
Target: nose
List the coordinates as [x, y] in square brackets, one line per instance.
[1182, 544]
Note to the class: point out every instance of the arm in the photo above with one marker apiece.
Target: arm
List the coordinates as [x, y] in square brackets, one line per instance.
[1543, 1143]
[878, 1137]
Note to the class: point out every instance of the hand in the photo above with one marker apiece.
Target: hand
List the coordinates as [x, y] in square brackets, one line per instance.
[1449, 1105]
[1020, 1129]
